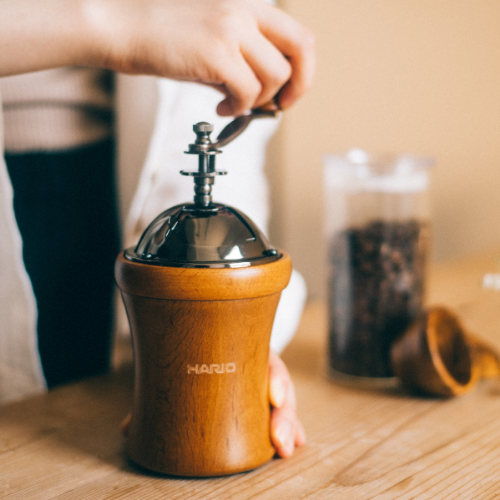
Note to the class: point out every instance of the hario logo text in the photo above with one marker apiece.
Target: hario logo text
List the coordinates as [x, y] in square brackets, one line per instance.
[213, 368]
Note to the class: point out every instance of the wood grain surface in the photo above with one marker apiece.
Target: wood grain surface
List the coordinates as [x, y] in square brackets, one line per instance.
[185, 283]
[201, 349]
[363, 444]
[201, 399]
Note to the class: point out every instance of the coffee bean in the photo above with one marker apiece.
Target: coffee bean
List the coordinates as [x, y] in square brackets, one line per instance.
[376, 288]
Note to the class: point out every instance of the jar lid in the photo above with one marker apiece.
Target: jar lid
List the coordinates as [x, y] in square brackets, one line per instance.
[358, 170]
[216, 236]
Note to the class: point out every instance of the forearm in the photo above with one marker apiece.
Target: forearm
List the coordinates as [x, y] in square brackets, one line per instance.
[43, 34]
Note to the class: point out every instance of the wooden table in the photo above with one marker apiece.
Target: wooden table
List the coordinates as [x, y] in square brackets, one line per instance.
[363, 444]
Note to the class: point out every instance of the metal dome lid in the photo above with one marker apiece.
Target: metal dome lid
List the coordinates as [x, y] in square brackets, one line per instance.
[215, 236]
[203, 233]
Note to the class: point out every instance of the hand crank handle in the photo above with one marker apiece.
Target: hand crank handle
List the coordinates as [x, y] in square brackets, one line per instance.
[240, 123]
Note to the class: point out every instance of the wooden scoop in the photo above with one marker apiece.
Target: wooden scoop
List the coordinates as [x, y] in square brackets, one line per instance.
[436, 356]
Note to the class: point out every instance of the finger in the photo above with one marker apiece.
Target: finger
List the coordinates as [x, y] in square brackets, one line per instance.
[269, 65]
[280, 383]
[229, 72]
[298, 84]
[297, 43]
[282, 435]
[287, 431]
[241, 88]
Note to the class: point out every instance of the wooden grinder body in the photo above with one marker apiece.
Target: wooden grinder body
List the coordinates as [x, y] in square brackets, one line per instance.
[201, 345]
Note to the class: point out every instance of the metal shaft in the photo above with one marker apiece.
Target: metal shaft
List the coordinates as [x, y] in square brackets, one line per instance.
[204, 177]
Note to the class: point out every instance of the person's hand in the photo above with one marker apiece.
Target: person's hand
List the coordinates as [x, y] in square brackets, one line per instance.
[287, 431]
[246, 49]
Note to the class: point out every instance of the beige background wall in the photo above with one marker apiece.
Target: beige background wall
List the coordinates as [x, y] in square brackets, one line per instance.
[419, 76]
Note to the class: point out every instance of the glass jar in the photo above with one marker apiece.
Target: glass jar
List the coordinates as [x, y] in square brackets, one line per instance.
[377, 229]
